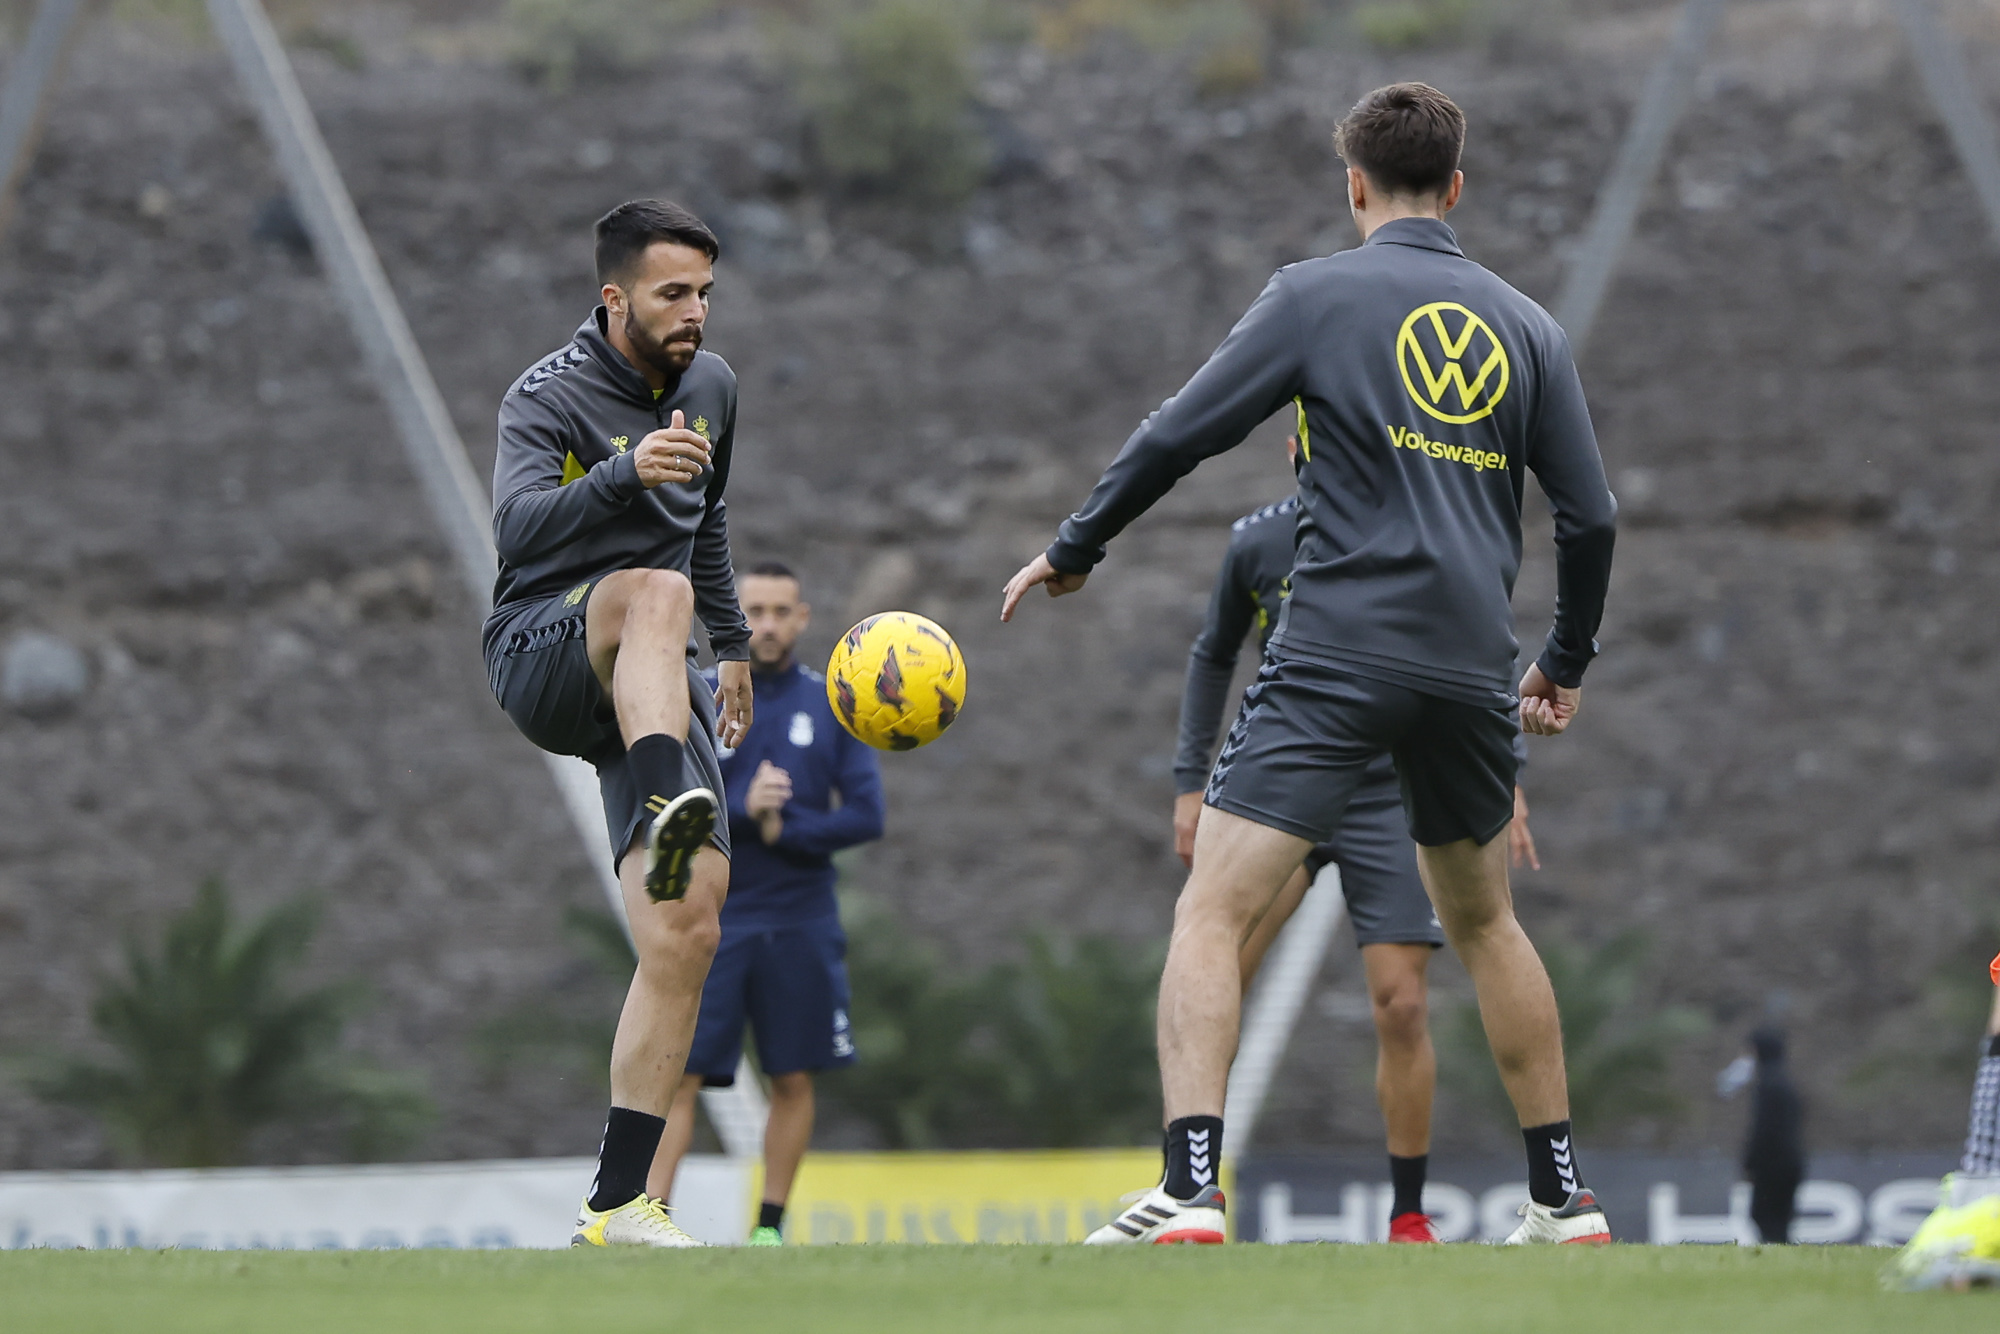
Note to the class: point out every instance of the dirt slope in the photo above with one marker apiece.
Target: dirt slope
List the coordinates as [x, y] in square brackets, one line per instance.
[1785, 774]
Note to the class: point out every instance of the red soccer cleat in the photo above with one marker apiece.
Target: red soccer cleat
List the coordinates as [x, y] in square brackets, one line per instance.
[1412, 1227]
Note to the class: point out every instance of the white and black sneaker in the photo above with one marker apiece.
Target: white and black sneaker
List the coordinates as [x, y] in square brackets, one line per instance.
[1578, 1221]
[1158, 1219]
[677, 833]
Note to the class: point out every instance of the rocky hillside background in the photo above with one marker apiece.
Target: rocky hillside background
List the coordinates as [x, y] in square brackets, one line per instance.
[1785, 776]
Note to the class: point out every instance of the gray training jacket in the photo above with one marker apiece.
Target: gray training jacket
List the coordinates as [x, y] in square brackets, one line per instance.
[568, 507]
[1250, 593]
[1426, 389]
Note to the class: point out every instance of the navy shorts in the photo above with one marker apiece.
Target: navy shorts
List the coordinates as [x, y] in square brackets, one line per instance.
[1308, 735]
[1378, 867]
[790, 984]
[539, 668]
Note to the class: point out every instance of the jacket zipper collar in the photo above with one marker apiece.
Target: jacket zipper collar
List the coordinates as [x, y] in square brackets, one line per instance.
[592, 338]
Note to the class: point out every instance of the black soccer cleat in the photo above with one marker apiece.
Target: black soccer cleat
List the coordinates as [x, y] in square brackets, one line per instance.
[672, 840]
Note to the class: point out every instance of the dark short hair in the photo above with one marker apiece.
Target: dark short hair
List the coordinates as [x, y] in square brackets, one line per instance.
[773, 569]
[1405, 138]
[624, 233]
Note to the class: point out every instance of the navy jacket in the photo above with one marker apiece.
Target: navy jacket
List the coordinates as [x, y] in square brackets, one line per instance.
[790, 882]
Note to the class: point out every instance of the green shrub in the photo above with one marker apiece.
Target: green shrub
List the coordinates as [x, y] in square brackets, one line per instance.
[890, 102]
[1618, 1052]
[1074, 1060]
[1053, 1051]
[212, 1043]
[557, 40]
[1405, 25]
[572, 1032]
[917, 1083]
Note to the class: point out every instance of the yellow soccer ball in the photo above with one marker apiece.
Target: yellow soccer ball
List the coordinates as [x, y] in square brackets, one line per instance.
[896, 681]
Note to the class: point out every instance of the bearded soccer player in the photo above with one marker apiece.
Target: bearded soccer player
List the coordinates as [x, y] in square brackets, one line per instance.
[608, 515]
[1425, 389]
[1394, 924]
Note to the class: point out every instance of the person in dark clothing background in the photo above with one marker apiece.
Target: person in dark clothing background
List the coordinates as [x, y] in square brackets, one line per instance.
[1774, 1160]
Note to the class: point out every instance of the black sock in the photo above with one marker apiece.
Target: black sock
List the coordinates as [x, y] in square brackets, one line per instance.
[1407, 1176]
[1194, 1155]
[770, 1215]
[1552, 1173]
[1993, 1045]
[657, 770]
[630, 1141]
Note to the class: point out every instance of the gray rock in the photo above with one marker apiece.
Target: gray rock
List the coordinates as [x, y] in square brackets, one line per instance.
[42, 676]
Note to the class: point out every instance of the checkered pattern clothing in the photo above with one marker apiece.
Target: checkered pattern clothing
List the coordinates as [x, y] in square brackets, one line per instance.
[1982, 1136]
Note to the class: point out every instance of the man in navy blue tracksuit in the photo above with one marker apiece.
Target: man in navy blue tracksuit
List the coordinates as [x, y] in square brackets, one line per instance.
[799, 789]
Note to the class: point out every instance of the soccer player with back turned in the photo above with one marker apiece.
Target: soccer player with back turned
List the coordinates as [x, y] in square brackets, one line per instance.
[609, 520]
[1394, 924]
[1425, 390]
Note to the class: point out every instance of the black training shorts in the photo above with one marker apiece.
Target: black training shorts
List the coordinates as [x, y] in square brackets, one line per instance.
[1307, 733]
[539, 668]
[1378, 866]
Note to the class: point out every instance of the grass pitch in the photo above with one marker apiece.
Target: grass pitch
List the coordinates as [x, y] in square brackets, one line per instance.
[888, 1289]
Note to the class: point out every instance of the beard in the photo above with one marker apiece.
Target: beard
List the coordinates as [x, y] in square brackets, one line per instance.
[767, 655]
[655, 352]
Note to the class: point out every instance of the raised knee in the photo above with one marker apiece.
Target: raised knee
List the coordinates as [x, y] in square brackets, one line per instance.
[665, 588]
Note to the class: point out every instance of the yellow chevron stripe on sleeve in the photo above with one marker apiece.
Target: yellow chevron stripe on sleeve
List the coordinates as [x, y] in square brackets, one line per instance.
[573, 471]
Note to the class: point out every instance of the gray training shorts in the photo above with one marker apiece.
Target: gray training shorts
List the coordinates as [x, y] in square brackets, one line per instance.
[540, 671]
[1378, 867]
[1307, 734]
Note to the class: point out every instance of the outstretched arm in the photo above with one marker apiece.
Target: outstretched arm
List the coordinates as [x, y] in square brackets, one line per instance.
[1243, 382]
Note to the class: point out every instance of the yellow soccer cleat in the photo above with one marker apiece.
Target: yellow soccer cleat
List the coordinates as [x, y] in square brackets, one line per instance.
[640, 1222]
[1957, 1247]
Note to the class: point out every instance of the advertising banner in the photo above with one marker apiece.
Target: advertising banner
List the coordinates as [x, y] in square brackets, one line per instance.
[1876, 1199]
[530, 1203]
[929, 1198]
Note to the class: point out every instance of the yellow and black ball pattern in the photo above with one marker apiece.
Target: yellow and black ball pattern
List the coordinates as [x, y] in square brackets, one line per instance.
[896, 681]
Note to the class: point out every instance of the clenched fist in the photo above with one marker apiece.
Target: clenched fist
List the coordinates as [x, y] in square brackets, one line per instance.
[671, 454]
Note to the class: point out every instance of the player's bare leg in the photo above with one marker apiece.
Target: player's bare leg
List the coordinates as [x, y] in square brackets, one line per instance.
[788, 1133]
[1405, 1061]
[1239, 869]
[675, 942]
[675, 1140]
[1468, 886]
[636, 632]
[649, 613]
[1405, 1076]
[1271, 923]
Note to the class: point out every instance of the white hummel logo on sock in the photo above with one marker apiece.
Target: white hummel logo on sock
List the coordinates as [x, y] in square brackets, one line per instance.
[1198, 1158]
[1565, 1170]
